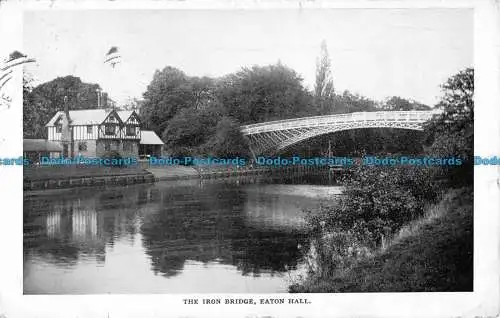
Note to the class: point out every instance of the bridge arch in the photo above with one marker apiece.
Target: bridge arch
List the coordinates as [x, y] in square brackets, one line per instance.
[274, 136]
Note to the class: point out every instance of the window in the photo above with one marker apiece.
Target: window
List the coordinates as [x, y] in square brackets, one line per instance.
[109, 129]
[107, 146]
[58, 128]
[82, 146]
[89, 129]
[130, 130]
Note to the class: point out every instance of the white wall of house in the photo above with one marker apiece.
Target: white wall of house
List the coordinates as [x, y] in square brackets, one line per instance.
[82, 132]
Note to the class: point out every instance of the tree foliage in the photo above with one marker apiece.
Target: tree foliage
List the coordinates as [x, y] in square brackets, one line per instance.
[451, 134]
[227, 140]
[401, 104]
[189, 130]
[263, 93]
[167, 93]
[377, 202]
[44, 100]
[323, 88]
[171, 91]
[195, 115]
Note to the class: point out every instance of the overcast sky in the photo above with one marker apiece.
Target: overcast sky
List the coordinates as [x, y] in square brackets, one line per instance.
[375, 52]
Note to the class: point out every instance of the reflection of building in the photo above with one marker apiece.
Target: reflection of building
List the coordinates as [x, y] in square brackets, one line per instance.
[53, 222]
[78, 221]
[84, 224]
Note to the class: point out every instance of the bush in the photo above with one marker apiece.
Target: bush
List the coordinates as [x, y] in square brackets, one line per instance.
[113, 154]
[376, 203]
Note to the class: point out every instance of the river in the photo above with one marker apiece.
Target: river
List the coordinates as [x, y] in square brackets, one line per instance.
[192, 236]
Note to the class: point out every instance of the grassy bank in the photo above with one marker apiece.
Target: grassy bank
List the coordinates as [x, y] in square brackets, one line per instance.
[433, 253]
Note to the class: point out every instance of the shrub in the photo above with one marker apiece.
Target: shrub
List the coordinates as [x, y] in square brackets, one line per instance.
[113, 154]
[376, 203]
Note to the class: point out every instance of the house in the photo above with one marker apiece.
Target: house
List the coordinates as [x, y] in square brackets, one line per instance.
[93, 132]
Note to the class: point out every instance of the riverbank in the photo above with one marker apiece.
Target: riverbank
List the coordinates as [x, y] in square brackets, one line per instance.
[177, 172]
[432, 254]
[63, 177]
[38, 178]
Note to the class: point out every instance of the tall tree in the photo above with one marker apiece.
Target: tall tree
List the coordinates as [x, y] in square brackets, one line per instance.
[170, 91]
[263, 93]
[188, 130]
[323, 88]
[43, 101]
[165, 95]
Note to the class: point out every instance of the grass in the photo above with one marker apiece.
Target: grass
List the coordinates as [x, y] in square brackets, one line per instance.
[432, 254]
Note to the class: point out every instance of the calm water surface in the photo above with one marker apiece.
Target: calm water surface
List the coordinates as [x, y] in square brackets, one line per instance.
[227, 236]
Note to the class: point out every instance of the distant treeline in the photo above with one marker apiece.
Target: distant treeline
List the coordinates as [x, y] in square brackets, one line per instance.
[202, 115]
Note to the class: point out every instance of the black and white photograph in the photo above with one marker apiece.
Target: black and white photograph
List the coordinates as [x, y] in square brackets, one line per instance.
[268, 154]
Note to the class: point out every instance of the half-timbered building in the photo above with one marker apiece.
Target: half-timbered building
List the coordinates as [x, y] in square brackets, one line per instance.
[97, 131]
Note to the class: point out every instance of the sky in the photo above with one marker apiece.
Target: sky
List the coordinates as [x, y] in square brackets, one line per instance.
[374, 52]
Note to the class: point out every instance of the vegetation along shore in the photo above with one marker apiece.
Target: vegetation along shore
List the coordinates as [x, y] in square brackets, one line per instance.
[403, 228]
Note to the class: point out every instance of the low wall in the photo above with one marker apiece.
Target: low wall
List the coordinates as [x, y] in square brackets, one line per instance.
[33, 181]
[41, 178]
[73, 182]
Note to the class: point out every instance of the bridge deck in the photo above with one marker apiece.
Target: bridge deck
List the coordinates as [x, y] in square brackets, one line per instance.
[279, 134]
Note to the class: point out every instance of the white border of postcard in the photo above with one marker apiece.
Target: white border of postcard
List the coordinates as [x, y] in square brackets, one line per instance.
[483, 302]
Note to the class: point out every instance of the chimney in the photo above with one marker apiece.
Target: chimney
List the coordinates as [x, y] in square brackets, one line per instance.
[66, 107]
[66, 136]
[98, 97]
[105, 100]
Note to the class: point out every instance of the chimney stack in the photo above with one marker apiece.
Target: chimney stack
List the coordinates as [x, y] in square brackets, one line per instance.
[66, 107]
[105, 100]
[67, 132]
[98, 97]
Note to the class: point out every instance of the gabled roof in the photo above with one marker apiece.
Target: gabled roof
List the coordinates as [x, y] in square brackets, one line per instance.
[149, 137]
[125, 114]
[40, 145]
[90, 116]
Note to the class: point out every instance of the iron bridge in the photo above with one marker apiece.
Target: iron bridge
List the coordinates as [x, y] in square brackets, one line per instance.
[274, 136]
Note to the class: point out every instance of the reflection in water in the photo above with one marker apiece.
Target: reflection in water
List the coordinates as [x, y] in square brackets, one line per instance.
[84, 225]
[54, 224]
[167, 237]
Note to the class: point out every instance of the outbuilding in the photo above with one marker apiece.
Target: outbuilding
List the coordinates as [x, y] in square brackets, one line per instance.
[150, 145]
[34, 149]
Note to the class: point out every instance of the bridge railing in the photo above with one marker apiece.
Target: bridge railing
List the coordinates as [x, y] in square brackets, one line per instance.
[411, 116]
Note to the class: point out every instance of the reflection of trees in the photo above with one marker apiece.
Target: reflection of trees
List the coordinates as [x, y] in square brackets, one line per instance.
[177, 230]
[207, 224]
[120, 208]
[269, 251]
[194, 221]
